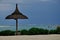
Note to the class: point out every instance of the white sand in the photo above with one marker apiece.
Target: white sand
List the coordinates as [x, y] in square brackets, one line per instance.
[31, 37]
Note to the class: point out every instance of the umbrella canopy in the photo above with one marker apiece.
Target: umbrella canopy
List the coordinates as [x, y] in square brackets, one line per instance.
[16, 15]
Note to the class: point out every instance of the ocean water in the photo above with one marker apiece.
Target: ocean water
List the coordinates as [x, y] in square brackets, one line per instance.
[27, 27]
[21, 27]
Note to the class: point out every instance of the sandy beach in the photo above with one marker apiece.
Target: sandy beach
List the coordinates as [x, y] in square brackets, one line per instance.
[31, 37]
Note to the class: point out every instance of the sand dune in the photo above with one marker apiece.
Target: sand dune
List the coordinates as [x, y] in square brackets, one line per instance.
[31, 37]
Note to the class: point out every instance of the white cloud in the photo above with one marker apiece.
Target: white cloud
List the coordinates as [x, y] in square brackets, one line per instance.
[45, 0]
[5, 26]
[51, 1]
[5, 7]
[25, 1]
[11, 1]
[9, 4]
[22, 1]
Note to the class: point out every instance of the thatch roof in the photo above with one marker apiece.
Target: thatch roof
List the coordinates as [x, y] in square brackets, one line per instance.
[16, 15]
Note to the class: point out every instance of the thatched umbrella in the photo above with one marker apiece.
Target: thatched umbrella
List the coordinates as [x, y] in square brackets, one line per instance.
[16, 15]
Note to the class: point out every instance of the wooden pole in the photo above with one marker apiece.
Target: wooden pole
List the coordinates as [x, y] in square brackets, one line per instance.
[16, 26]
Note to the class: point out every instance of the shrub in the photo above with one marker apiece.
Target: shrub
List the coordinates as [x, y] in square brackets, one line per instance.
[34, 31]
[7, 32]
[24, 32]
[45, 31]
[58, 29]
[52, 32]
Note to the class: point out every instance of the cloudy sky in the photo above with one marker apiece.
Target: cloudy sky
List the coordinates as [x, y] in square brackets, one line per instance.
[38, 11]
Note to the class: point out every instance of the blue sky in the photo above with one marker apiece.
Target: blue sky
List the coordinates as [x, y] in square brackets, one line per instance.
[38, 11]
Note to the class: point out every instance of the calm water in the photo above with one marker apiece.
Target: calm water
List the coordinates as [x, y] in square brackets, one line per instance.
[20, 27]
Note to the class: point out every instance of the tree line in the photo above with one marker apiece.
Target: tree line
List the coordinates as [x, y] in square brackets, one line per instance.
[31, 31]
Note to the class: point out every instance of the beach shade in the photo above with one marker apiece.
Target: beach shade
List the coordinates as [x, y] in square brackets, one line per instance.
[16, 15]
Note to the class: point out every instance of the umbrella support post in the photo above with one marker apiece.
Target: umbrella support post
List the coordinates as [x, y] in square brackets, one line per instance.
[16, 26]
[16, 15]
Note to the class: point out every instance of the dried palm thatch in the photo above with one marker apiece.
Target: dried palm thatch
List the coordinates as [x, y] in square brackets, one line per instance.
[16, 15]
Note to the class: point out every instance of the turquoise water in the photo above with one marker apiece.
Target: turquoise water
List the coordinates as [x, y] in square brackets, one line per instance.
[21, 27]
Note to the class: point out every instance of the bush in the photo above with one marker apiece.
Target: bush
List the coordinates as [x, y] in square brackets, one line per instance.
[52, 32]
[7, 32]
[45, 31]
[37, 31]
[24, 32]
[34, 31]
[58, 29]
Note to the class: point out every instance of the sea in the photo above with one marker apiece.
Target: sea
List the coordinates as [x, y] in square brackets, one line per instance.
[27, 27]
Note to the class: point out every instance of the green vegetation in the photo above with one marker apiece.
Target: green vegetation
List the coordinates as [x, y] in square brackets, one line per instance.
[31, 31]
[58, 29]
[37, 31]
[7, 32]
[24, 32]
[52, 32]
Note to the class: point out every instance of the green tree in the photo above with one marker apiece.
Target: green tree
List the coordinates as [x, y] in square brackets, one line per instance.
[45, 31]
[35, 31]
[24, 32]
[52, 32]
[7, 32]
[58, 29]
